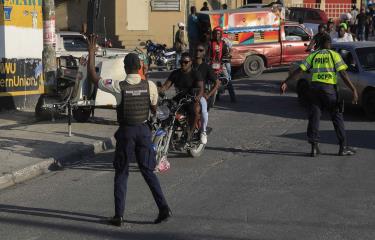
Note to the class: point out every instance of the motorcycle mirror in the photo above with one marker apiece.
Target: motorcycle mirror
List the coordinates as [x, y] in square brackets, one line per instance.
[142, 44]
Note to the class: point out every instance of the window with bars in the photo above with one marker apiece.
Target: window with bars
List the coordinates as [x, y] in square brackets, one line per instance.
[165, 5]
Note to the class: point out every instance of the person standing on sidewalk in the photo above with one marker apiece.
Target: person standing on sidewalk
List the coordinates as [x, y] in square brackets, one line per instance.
[361, 25]
[323, 93]
[135, 99]
[179, 42]
[193, 30]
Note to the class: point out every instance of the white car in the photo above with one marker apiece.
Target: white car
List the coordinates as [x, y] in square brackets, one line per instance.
[75, 44]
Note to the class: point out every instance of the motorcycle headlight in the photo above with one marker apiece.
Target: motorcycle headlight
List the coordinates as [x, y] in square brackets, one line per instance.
[162, 112]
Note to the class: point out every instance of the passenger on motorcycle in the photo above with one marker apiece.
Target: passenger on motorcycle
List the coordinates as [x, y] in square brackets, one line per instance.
[211, 85]
[186, 80]
[218, 50]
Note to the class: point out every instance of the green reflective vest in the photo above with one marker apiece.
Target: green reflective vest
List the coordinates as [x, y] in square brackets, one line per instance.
[324, 65]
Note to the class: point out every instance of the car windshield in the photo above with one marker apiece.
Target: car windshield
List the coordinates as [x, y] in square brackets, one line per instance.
[75, 43]
[366, 57]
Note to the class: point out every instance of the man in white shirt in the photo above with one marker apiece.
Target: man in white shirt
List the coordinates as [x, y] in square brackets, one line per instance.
[343, 36]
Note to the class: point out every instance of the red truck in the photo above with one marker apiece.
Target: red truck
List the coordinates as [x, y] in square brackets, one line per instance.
[260, 38]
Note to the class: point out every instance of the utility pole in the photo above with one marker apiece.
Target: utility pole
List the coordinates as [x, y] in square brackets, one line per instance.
[49, 43]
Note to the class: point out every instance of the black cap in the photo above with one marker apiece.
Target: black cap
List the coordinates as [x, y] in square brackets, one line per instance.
[132, 61]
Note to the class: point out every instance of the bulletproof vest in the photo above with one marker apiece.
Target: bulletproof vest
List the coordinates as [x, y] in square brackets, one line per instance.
[135, 103]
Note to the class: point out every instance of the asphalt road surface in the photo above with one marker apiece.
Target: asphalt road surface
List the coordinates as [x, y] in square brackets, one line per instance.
[255, 181]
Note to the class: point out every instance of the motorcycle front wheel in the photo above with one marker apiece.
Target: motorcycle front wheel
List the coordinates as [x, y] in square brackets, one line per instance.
[197, 150]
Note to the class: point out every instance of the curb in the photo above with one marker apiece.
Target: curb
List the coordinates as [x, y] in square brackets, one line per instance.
[50, 164]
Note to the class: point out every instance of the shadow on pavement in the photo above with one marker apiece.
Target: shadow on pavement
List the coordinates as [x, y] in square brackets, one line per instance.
[259, 151]
[356, 138]
[280, 106]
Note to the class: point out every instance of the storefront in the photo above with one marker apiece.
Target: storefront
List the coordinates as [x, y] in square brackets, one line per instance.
[21, 47]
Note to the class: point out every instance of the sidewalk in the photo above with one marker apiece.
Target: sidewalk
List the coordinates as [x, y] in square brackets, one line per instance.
[29, 148]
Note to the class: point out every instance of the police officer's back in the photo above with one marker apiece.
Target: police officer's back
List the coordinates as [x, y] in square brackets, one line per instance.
[323, 93]
[135, 99]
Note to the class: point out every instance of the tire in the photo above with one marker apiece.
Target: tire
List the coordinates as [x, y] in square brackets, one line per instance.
[368, 104]
[158, 143]
[253, 66]
[197, 151]
[302, 90]
[43, 114]
[81, 114]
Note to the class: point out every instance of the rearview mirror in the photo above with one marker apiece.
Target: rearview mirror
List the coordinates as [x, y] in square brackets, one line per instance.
[142, 44]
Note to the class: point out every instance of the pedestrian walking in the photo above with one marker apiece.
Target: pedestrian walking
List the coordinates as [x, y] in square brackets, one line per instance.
[135, 99]
[205, 7]
[361, 25]
[193, 30]
[179, 42]
[323, 93]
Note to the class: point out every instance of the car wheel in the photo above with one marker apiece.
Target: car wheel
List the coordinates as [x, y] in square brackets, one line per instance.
[369, 104]
[302, 91]
[81, 114]
[253, 66]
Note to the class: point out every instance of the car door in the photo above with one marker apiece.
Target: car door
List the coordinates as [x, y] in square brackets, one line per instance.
[294, 44]
[348, 57]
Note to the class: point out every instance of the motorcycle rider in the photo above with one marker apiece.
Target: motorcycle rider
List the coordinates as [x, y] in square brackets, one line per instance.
[185, 81]
[217, 50]
[209, 78]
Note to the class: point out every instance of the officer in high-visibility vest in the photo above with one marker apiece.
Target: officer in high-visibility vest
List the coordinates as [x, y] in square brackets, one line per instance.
[322, 94]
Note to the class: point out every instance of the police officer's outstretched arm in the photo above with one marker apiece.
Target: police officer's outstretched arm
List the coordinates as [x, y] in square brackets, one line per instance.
[345, 77]
[292, 76]
[93, 77]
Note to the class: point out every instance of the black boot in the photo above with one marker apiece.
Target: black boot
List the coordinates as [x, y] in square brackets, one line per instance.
[346, 151]
[315, 151]
[116, 221]
[164, 215]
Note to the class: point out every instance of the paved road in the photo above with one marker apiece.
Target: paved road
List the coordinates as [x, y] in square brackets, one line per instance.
[254, 182]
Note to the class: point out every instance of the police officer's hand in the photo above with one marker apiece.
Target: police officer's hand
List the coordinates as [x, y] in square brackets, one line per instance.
[283, 87]
[355, 97]
[91, 40]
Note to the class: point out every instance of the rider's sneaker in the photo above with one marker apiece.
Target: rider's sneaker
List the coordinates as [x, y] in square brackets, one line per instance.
[204, 138]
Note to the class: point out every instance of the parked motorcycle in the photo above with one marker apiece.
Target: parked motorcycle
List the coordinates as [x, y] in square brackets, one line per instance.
[159, 55]
[171, 129]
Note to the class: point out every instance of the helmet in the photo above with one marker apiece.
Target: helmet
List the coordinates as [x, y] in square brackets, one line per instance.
[180, 24]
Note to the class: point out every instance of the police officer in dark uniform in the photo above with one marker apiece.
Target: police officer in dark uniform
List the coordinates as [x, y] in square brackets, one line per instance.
[323, 94]
[135, 99]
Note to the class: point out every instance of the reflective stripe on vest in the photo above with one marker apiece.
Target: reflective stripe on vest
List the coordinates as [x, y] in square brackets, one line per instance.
[324, 68]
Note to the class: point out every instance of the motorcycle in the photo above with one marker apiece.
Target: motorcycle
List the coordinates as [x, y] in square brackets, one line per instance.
[159, 55]
[171, 129]
[219, 71]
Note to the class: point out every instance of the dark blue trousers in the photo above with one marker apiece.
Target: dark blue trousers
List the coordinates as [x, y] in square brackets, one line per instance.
[324, 97]
[134, 142]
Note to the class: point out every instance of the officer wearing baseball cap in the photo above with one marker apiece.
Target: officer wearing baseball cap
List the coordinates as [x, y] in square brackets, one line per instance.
[135, 99]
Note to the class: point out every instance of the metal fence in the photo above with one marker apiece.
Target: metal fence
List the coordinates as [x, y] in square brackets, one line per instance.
[333, 10]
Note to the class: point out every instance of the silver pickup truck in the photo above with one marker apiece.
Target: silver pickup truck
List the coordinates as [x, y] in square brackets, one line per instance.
[360, 58]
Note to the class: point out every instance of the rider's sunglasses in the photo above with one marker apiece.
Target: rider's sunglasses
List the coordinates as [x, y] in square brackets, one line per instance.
[200, 50]
[185, 62]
